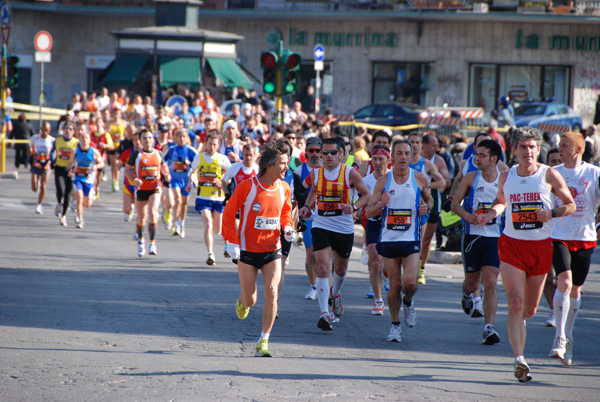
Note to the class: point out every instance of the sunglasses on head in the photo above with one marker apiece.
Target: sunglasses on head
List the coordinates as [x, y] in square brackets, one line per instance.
[314, 150]
[334, 152]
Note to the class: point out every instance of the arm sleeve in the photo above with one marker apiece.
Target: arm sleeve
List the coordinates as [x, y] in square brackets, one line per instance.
[300, 192]
[233, 205]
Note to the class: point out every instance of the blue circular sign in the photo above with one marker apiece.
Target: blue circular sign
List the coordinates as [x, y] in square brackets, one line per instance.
[5, 13]
[319, 52]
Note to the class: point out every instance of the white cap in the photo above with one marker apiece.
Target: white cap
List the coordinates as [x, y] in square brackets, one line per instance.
[228, 124]
[247, 106]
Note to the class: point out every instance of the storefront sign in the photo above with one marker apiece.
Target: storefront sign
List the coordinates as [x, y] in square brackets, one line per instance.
[340, 39]
[559, 42]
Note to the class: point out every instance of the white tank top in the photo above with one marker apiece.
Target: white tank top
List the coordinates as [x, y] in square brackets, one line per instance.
[400, 217]
[479, 199]
[524, 196]
[583, 183]
[370, 182]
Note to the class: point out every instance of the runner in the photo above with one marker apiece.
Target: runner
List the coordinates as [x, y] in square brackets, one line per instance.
[179, 158]
[64, 147]
[313, 152]
[401, 195]
[480, 243]
[102, 141]
[525, 248]
[574, 239]
[40, 149]
[333, 225]
[264, 205]
[208, 168]
[84, 164]
[117, 134]
[145, 167]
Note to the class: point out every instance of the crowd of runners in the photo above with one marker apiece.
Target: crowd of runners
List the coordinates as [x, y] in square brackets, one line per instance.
[309, 181]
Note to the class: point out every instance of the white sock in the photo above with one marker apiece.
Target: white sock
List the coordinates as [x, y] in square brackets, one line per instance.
[475, 299]
[264, 336]
[181, 223]
[379, 300]
[561, 310]
[574, 308]
[323, 294]
[338, 283]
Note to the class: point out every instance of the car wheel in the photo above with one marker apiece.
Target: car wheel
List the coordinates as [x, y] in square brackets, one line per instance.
[576, 127]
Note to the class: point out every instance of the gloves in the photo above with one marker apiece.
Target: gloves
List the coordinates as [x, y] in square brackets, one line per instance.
[290, 234]
[301, 225]
[447, 207]
[233, 250]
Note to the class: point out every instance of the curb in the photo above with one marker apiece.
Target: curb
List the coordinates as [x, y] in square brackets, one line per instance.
[9, 176]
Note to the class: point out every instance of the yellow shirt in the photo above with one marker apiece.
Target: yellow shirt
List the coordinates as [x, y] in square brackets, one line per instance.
[64, 149]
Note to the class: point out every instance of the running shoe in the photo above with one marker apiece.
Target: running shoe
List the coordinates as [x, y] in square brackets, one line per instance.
[79, 224]
[141, 248]
[39, 209]
[568, 359]
[421, 279]
[410, 316]
[115, 186]
[167, 216]
[57, 209]
[300, 240]
[152, 250]
[76, 220]
[377, 308]
[551, 321]
[182, 232]
[135, 236]
[370, 293]
[394, 335]
[324, 322]
[559, 348]
[386, 282]
[336, 303]
[262, 349]
[477, 308]
[104, 177]
[225, 253]
[490, 336]
[127, 217]
[364, 256]
[522, 370]
[312, 293]
[467, 303]
[211, 259]
[73, 206]
[241, 310]
[63, 220]
[175, 230]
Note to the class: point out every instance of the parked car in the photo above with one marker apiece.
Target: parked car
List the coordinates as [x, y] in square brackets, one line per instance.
[532, 114]
[390, 114]
[227, 107]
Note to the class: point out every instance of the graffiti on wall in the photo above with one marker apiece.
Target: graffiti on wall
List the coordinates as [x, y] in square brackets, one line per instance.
[587, 89]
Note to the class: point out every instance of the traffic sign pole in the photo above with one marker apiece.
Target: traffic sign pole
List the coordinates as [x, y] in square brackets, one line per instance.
[43, 45]
[319, 54]
[5, 16]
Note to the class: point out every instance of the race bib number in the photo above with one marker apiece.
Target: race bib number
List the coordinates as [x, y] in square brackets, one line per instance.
[484, 208]
[399, 219]
[65, 154]
[329, 205]
[524, 215]
[82, 171]
[42, 157]
[208, 179]
[150, 173]
[179, 167]
[262, 223]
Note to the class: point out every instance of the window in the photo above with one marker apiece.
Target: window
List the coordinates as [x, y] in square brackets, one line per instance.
[403, 82]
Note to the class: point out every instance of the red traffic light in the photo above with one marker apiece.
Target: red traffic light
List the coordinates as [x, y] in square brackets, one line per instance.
[293, 60]
[268, 60]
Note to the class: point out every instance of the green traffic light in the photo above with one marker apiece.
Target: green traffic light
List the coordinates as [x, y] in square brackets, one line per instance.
[269, 87]
[290, 87]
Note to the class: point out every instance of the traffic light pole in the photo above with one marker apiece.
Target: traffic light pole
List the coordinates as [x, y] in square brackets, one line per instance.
[3, 111]
[278, 89]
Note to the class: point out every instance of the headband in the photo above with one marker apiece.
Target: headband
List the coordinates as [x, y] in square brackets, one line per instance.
[380, 151]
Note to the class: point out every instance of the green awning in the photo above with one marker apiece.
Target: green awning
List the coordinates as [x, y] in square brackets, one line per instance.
[179, 70]
[126, 68]
[229, 72]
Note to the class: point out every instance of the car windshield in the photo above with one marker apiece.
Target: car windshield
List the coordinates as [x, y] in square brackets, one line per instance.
[530, 110]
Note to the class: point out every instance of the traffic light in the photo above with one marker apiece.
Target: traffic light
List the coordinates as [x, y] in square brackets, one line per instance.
[290, 69]
[269, 62]
[12, 78]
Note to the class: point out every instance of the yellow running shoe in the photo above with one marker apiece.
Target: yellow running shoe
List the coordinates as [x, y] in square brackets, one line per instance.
[167, 217]
[241, 310]
[262, 349]
[421, 279]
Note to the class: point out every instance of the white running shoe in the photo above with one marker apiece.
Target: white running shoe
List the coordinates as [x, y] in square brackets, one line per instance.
[312, 293]
[182, 232]
[76, 220]
[57, 209]
[39, 209]
[394, 335]
[141, 248]
[386, 283]
[364, 257]
[522, 370]
[410, 316]
[477, 308]
[175, 230]
[152, 250]
[568, 359]
[370, 294]
[79, 224]
[559, 348]
[551, 321]
[63, 220]
[377, 308]
[127, 217]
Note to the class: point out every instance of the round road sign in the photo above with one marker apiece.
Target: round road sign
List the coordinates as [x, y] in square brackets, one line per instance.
[43, 41]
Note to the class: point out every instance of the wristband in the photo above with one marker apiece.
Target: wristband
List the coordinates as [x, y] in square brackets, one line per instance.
[354, 208]
[597, 226]
[553, 213]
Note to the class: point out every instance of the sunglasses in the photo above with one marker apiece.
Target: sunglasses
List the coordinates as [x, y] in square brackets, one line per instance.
[314, 151]
[290, 137]
[332, 153]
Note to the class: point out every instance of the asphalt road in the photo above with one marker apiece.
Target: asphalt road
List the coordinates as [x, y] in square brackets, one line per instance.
[83, 318]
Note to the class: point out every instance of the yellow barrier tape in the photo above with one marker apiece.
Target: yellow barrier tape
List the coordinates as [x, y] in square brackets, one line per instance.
[32, 108]
[378, 127]
[48, 113]
[34, 116]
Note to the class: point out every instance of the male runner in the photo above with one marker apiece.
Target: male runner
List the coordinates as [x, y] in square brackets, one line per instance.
[525, 248]
[480, 243]
[574, 240]
[402, 195]
[333, 224]
[40, 149]
[64, 147]
[264, 205]
[145, 167]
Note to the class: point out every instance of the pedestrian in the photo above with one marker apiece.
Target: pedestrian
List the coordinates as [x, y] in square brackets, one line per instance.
[264, 205]
[22, 130]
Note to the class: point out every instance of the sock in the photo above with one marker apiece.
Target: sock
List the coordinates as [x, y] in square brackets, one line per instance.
[379, 300]
[181, 223]
[323, 294]
[476, 299]
[152, 230]
[574, 308]
[561, 310]
[338, 283]
[520, 358]
[407, 304]
[396, 323]
[264, 336]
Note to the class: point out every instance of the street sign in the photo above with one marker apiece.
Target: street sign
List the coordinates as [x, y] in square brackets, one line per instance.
[43, 41]
[319, 65]
[43, 57]
[319, 52]
[5, 13]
